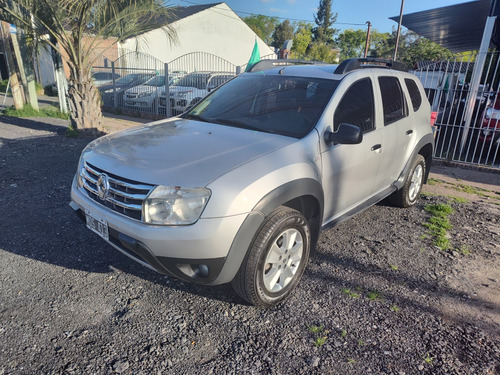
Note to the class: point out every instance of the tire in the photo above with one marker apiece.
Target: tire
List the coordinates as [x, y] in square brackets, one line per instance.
[273, 266]
[407, 196]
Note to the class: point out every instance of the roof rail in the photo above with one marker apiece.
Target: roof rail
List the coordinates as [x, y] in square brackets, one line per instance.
[270, 63]
[368, 62]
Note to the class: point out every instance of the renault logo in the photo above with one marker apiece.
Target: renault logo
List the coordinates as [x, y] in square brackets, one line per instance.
[103, 186]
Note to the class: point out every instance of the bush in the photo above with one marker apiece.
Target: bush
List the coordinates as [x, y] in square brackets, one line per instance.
[50, 90]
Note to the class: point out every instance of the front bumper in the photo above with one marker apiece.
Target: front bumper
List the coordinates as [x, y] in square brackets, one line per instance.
[196, 253]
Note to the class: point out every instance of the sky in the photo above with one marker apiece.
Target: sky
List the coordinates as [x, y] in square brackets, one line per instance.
[352, 14]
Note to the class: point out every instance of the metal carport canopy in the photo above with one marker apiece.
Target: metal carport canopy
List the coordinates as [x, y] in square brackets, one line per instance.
[457, 27]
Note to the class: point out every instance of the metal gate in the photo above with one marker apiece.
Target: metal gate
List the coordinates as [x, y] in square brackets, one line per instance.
[140, 83]
[468, 120]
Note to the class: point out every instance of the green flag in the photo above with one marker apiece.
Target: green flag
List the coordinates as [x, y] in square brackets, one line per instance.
[255, 58]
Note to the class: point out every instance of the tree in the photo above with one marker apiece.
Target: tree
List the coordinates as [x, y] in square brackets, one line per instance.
[76, 29]
[324, 32]
[262, 25]
[302, 38]
[282, 33]
[351, 43]
[322, 52]
[412, 48]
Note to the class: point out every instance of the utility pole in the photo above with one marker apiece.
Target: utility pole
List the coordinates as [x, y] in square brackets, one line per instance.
[16, 87]
[367, 38]
[399, 30]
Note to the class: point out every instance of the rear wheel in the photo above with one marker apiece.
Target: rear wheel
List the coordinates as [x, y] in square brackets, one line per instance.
[407, 196]
[276, 260]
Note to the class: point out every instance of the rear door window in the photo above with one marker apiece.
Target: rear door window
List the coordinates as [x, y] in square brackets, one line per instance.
[356, 106]
[416, 98]
[393, 101]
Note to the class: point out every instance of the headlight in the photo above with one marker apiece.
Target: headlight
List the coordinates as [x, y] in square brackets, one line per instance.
[143, 94]
[493, 114]
[173, 205]
[111, 90]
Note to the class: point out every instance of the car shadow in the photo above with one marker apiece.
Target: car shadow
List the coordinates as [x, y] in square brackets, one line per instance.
[37, 165]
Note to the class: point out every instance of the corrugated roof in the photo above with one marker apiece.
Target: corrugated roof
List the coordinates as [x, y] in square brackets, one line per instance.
[183, 12]
[457, 27]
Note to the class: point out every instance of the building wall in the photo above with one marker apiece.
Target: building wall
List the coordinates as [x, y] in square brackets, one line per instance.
[217, 30]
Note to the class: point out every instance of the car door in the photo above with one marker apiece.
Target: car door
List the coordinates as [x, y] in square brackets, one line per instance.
[349, 171]
[397, 130]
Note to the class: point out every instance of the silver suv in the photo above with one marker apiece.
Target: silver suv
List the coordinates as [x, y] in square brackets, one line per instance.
[238, 188]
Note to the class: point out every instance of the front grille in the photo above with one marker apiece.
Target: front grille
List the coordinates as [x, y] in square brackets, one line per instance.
[124, 196]
[163, 101]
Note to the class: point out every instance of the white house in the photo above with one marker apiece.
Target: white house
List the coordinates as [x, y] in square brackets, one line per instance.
[213, 29]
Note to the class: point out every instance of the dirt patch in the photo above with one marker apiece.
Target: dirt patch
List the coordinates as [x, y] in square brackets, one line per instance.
[475, 270]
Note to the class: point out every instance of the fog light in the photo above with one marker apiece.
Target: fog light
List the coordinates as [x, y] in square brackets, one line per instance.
[202, 270]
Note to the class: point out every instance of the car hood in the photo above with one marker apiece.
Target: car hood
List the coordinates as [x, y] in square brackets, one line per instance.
[142, 88]
[179, 152]
[174, 90]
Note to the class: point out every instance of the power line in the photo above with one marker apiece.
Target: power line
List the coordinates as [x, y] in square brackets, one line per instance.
[281, 18]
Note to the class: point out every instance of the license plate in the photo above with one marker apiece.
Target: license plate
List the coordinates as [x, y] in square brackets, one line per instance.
[96, 225]
[128, 102]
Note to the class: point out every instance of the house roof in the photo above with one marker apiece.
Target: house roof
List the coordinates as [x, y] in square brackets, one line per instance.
[179, 13]
[457, 27]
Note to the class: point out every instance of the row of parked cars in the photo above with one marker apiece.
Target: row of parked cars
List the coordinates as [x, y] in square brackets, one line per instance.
[147, 91]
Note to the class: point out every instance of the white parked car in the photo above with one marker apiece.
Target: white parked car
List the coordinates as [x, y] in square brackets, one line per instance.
[192, 88]
[146, 95]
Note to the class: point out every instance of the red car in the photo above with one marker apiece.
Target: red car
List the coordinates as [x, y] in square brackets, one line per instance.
[490, 126]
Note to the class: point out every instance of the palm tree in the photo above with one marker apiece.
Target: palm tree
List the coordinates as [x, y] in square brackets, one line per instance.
[76, 29]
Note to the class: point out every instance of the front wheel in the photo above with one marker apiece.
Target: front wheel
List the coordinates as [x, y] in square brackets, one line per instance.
[276, 260]
[408, 194]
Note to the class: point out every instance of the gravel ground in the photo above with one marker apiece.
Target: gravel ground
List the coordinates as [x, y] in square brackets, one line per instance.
[383, 299]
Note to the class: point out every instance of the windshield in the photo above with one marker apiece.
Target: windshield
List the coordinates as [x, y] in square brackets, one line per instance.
[131, 78]
[198, 81]
[277, 104]
[156, 81]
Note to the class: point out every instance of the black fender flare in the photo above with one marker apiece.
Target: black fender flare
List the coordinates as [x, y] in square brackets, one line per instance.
[428, 139]
[248, 231]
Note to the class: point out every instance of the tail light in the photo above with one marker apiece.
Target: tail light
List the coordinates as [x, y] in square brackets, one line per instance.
[433, 118]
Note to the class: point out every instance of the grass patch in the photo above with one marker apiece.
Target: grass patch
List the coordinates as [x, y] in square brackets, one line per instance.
[475, 190]
[374, 296]
[439, 224]
[393, 267]
[395, 308]
[428, 359]
[464, 250]
[29, 111]
[350, 293]
[433, 181]
[320, 335]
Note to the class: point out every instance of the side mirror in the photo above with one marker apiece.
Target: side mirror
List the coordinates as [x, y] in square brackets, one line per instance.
[346, 134]
[210, 88]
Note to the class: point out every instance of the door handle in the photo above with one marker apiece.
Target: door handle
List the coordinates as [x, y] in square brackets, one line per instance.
[409, 132]
[376, 147]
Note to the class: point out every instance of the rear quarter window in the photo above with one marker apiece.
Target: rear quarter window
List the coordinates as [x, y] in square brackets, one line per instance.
[416, 98]
[393, 101]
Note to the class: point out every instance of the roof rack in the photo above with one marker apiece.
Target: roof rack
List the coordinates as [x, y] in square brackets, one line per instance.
[368, 62]
[269, 64]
